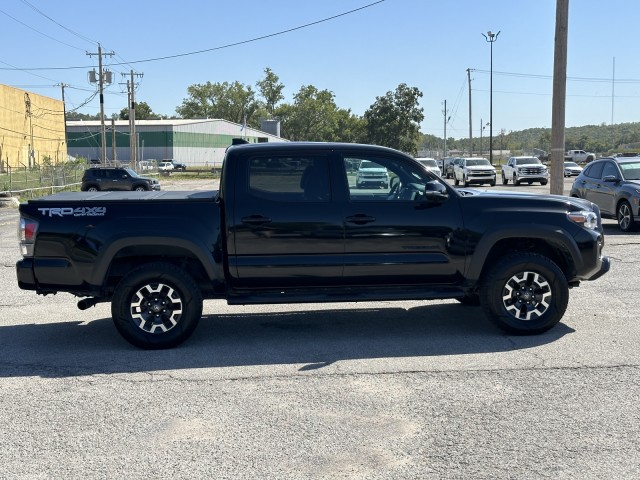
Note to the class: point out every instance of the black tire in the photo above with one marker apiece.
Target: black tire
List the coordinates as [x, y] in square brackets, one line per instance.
[515, 180]
[524, 293]
[92, 188]
[492, 183]
[156, 306]
[624, 215]
[466, 181]
[140, 188]
[543, 182]
[456, 181]
[505, 180]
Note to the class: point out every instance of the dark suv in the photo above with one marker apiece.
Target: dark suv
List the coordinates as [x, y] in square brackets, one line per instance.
[114, 178]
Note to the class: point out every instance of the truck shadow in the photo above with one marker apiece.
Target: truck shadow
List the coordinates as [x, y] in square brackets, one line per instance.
[307, 339]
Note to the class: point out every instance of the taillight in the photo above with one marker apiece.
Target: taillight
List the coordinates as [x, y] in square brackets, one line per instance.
[27, 230]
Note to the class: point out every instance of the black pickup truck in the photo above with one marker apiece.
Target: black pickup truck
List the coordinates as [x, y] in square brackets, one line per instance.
[290, 225]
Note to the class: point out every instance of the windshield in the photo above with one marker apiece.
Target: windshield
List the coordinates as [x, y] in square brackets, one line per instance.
[630, 171]
[479, 161]
[527, 161]
[429, 163]
[368, 164]
[131, 172]
[570, 164]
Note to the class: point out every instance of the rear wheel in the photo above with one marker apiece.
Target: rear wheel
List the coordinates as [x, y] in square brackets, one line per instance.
[624, 215]
[92, 188]
[156, 305]
[525, 293]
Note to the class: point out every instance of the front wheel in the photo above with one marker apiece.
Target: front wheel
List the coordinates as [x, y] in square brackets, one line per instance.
[456, 181]
[505, 180]
[624, 215]
[525, 293]
[466, 181]
[156, 305]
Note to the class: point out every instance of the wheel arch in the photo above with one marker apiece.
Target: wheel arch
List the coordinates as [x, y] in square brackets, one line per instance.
[123, 255]
[550, 243]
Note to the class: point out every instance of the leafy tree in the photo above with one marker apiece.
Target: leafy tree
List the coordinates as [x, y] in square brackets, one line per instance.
[312, 117]
[229, 101]
[143, 112]
[270, 89]
[394, 120]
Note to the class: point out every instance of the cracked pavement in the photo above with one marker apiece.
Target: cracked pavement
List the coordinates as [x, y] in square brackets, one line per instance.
[369, 390]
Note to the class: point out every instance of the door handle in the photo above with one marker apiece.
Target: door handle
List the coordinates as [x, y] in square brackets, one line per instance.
[255, 220]
[360, 219]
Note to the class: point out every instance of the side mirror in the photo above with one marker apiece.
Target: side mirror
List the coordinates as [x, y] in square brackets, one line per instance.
[435, 191]
[610, 179]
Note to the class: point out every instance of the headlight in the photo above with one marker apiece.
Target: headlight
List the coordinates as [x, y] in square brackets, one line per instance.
[585, 218]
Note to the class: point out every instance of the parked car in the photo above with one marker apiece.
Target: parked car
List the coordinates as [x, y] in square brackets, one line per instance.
[430, 164]
[572, 169]
[524, 169]
[177, 165]
[147, 165]
[474, 170]
[115, 178]
[165, 166]
[614, 185]
[370, 174]
[447, 166]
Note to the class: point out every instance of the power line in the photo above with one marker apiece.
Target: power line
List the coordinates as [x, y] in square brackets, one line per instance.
[59, 24]
[229, 45]
[549, 77]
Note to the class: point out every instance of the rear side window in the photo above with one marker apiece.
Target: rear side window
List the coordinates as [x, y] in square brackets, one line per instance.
[287, 179]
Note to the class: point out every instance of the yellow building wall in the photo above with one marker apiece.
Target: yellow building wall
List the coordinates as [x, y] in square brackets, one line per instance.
[29, 121]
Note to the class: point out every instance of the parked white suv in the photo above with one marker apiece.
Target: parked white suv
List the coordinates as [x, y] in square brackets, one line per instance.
[474, 170]
[370, 174]
[524, 169]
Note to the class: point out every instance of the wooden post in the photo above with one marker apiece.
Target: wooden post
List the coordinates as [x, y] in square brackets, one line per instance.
[559, 98]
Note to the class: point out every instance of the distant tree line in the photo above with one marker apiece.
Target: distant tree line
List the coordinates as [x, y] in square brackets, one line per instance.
[600, 139]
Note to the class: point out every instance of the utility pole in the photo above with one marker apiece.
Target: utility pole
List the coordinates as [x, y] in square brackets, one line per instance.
[132, 117]
[444, 152]
[470, 129]
[113, 140]
[64, 114]
[559, 97]
[101, 81]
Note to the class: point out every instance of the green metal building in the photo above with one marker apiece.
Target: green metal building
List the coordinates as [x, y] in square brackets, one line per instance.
[196, 143]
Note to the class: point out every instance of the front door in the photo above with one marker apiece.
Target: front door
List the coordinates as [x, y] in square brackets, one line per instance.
[403, 234]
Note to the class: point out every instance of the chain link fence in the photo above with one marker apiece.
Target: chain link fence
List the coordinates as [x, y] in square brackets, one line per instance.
[40, 180]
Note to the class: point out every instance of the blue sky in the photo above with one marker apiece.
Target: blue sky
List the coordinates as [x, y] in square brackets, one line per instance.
[428, 44]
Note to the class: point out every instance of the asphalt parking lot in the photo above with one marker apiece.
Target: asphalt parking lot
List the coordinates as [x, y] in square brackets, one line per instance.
[388, 390]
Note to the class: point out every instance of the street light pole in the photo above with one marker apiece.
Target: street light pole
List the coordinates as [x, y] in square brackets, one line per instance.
[491, 37]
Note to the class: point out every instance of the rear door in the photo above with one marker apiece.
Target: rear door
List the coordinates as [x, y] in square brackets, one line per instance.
[286, 228]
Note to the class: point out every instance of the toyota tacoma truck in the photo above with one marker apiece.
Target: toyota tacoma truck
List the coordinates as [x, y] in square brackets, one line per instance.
[290, 225]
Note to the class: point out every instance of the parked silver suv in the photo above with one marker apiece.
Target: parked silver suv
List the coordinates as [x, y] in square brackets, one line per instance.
[525, 169]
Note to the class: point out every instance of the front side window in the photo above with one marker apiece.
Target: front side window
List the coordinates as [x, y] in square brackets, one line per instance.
[594, 170]
[290, 178]
[387, 179]
[610, 170]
